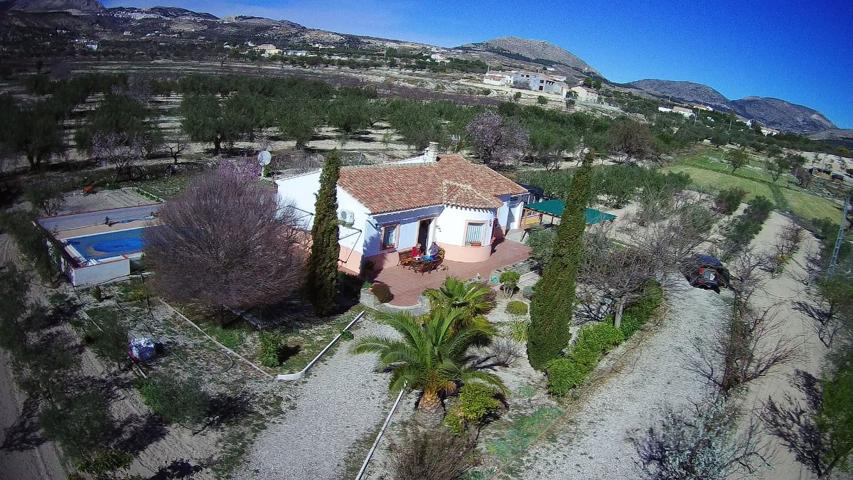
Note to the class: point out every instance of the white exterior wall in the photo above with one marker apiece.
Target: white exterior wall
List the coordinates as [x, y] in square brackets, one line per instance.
[451, 224]
[301, 192]
[100, 273]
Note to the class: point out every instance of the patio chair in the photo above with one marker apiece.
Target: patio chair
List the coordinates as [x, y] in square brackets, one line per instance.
[404, 258]
[424, 267]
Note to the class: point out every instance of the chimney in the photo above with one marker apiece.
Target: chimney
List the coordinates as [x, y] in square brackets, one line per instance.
[431, 153]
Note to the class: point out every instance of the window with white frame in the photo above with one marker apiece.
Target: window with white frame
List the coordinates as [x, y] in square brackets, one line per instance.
[389, 236]
[474, 233]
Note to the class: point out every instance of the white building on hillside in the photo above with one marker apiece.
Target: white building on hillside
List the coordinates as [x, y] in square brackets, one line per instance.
[584, 94]
[497, 78]
[540, 82]
[388, 208]
[683, 111]
[268, 49]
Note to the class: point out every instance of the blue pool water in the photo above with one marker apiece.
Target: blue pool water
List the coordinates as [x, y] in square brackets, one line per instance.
[110, 244]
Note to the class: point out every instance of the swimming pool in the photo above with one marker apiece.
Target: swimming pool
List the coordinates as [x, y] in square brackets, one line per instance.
[110, 244]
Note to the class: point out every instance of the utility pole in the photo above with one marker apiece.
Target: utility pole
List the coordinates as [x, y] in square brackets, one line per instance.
[833, 262]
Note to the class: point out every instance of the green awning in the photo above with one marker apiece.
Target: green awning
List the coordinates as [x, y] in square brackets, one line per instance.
[555, 208]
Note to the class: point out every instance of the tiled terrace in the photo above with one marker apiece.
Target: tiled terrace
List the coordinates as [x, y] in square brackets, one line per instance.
[407, 285]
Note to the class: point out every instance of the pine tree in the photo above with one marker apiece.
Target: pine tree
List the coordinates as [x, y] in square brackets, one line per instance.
[552, 303]
[322, 275]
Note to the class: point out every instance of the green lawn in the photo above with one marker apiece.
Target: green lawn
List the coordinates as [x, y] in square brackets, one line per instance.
[709, 174]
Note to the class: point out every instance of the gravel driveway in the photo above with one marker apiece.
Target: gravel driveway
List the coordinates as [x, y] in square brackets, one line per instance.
[342, 401]
[595, 444]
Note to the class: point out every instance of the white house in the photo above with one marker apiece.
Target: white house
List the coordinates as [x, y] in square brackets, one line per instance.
[540, 82]
[686, 112]
[388, 208]
[268, 49]
[497, 78]
[585, 94]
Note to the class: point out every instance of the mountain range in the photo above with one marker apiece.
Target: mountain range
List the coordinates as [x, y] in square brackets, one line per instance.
[89, 18]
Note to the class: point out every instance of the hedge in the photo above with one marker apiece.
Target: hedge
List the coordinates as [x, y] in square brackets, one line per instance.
[570, 371]
[594, 341]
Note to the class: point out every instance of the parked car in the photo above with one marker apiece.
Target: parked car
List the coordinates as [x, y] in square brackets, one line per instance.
[706, 272]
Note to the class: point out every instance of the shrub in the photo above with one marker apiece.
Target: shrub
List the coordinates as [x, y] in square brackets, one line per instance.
[509, 281]
[728, 200]
[741, 230]
[601, 336]
[516, 307]
[564, 375]
[541, 100]
[477, 403]
[518, 330]
[271, 343]
[382, 292]
[593, 341]
[175, 400]
[346, 335]
[432, 455]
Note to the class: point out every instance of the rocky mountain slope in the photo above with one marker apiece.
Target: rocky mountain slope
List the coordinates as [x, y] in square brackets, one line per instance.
[73, 6]
[538, 51]
[770, 112]
[181, 33]
[782, 115]
[683, 91]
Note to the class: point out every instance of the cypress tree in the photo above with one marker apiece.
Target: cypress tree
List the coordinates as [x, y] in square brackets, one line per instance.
[552, 303]
[322, 276]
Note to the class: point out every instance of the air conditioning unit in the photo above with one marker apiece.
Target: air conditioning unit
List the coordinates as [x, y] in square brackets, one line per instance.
[346, 217]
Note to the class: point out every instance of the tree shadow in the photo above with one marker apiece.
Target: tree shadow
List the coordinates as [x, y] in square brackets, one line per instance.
[179, 468]
[25, 433]
[224, 409]
[142, 432]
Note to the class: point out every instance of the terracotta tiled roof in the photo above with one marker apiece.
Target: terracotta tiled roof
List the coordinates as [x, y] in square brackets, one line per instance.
[451, 180]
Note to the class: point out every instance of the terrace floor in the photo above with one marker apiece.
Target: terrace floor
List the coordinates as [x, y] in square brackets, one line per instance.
[407, 285]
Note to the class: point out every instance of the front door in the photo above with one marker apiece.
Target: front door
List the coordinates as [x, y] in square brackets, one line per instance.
[423, 233]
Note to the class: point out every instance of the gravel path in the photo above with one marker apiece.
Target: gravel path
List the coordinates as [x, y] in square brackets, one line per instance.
[595, 444]
[342, 401]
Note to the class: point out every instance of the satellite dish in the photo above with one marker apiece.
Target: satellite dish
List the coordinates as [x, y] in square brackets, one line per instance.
[264, 158]
[346, 217]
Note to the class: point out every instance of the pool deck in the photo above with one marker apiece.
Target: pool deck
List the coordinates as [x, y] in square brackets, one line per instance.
[103, 228]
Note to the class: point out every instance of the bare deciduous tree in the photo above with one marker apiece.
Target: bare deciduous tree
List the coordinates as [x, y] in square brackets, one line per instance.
[118, 149]
[177, 146]
[698, 443]
[497, 140]
[226, 243]
[612, 276]
[832, 315]
[805, 430]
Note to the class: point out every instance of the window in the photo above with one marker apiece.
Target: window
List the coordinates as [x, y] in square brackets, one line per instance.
[474, 233]
[389, 237]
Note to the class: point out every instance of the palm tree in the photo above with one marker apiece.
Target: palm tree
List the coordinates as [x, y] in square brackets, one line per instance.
[473, 298]
[432, 355]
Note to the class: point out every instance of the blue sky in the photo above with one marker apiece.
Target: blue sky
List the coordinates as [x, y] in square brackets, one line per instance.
[800, 51]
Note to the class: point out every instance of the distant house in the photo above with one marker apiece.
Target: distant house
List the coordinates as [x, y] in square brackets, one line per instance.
[296, 53]
[439, 58]
[683, 111]
[268, 49]
[700, 106]
[540, 82]
[497, 78]
[769, 131]
[386, 209]
[664, 109]
[584, 94]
